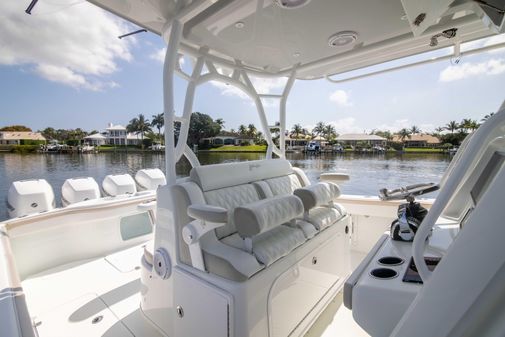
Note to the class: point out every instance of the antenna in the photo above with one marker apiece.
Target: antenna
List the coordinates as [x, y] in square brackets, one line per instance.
[30, 7]
[132, 33]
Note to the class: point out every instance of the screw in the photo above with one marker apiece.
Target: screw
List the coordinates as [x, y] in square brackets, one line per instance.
[180, 311]
[97, 319]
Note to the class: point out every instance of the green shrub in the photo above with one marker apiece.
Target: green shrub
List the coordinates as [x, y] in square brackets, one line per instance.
[25, 148]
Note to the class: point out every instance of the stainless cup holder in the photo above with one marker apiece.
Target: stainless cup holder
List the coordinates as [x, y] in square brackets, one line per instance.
[390, 261]
[383, 273]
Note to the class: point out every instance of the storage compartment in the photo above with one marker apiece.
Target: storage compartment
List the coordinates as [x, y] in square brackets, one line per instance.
[295, 293]
[383, 273]
[79, 189]
[29, 196]
[200, 308]
[119, 184]
[150, 179]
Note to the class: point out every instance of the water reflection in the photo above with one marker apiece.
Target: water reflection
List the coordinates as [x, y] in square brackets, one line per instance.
[368, 172]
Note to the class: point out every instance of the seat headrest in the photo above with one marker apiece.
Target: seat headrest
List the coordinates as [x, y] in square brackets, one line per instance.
[212, 177]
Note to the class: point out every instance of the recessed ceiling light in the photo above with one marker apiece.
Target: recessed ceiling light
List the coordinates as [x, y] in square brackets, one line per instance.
[239, 25]
[342, 39]
[296, 54]
[290, 4]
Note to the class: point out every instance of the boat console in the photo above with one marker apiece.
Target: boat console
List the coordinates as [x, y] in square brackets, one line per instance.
[397, 287]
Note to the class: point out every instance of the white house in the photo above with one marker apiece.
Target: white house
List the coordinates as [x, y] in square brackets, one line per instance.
[354, 138]
[116, 134]
[95, 139]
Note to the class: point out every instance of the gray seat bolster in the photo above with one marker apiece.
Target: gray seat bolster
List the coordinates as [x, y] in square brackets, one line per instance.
[263, 189]
[243, 262]
[301, 176]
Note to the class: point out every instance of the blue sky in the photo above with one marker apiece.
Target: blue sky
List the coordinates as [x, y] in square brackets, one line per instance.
[64, 67]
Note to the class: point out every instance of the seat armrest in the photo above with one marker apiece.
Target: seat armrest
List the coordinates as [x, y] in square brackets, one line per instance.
[317, 194]
[208, 213]
[334, 177]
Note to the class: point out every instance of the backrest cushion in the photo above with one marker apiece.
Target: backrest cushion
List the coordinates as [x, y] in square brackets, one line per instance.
[230, 198]
[213, 177]
[284, 185]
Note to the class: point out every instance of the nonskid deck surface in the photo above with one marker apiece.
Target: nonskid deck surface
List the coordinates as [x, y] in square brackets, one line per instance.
[91, 298]
[101, 298]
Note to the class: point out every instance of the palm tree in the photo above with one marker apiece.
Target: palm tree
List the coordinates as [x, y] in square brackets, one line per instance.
[251, 130]
[318, 129]
[139, 125]
[452, 126]
[486, 117]
[404, 133]
[415, 130]
[465, 124]
[474, 125]
[329, 132]
[242, 129]
[158, 122]
[297, 130]
[220, 122]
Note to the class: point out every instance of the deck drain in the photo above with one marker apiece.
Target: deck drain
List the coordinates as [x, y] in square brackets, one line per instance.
[97, 319]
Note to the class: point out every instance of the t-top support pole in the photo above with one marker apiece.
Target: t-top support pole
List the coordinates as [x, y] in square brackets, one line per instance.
[171, 59]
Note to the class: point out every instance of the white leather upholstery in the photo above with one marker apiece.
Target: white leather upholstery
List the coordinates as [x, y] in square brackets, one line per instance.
[276, 243]
[318, 194]
[272, 245]
[262, 216]
[208, 213]
[212, 177]
[229, 198]
[284, 185]
[322, 217]
[271, 232]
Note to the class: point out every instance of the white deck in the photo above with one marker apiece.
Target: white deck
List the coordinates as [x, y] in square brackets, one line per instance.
[65, 300]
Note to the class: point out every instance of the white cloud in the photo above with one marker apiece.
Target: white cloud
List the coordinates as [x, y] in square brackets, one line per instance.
[340, 97]
[159, 55]
[395, 126]
[262, 86]
[75, 45]
[469, 69]
[342, 126]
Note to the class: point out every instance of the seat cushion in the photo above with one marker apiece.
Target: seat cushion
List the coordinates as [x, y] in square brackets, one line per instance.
[322, 217]
[272, 245]
[230, 198]
[284, 185]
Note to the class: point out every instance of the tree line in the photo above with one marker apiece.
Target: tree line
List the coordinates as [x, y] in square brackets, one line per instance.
[204, 126]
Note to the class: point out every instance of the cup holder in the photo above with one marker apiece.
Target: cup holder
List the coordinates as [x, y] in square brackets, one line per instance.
[383, 273]
[390, 261]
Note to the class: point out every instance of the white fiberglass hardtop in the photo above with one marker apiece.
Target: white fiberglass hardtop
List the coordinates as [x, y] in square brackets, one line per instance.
[255, 248]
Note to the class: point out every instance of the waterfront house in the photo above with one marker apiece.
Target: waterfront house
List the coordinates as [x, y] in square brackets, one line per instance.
[352, 139]
[116, 134]
[296, 143]
[419, 140]
[244, 139]
[95, 139]
[21, 138]
[223, 138]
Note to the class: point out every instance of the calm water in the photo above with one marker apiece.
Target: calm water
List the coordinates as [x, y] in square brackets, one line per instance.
[368, 173]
